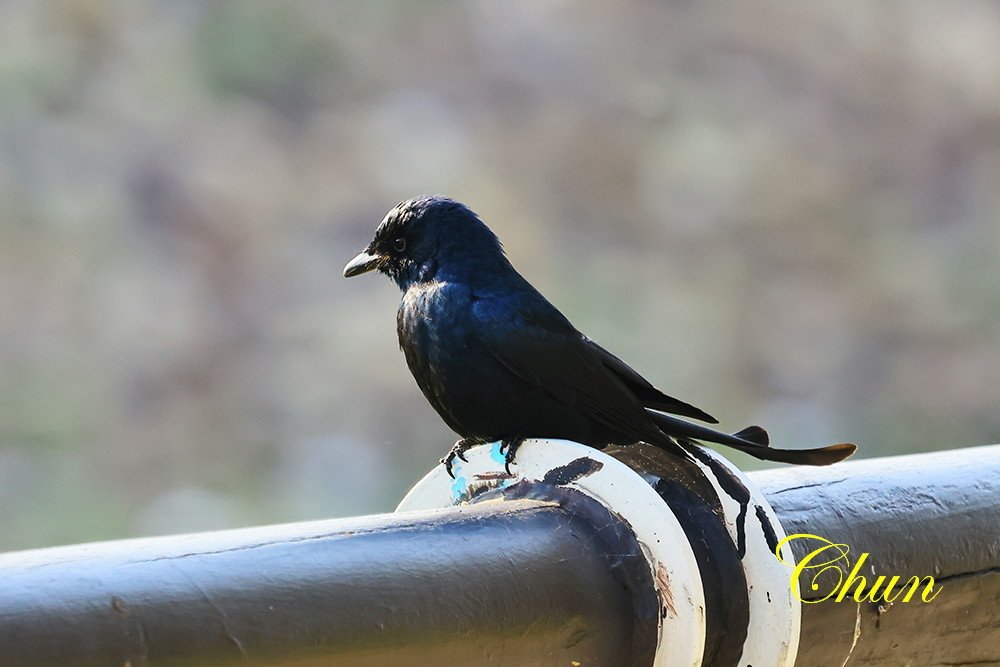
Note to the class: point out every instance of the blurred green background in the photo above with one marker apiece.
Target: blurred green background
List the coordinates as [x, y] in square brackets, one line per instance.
[785, 213]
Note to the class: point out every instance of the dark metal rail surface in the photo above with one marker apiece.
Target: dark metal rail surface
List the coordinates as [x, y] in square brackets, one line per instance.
[513, 583]
[934, 514]
[505, 582]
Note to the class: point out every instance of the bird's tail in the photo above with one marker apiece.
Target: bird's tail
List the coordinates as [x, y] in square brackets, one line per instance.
[754, 441]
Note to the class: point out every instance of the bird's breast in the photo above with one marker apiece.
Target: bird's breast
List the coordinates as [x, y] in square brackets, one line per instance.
[429, 312]
[435, 329]
[437, 333]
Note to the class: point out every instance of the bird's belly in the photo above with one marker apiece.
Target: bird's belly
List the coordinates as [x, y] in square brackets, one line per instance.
[480, 398]
[475, 394]
[462, 382]
[439, 348]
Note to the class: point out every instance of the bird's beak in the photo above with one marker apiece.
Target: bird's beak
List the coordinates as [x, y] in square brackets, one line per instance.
[363, 263]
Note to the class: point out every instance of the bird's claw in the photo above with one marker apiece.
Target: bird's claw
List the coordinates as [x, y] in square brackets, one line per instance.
[508, 448]
[458, 449]
[511, 446]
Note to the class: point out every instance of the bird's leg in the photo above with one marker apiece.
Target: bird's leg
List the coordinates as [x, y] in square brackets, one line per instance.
[511, 445]
[458, 449]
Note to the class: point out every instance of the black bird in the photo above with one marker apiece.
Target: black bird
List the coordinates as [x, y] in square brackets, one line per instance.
[500, 363]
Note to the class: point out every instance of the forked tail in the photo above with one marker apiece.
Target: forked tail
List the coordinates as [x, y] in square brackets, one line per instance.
[754, 441]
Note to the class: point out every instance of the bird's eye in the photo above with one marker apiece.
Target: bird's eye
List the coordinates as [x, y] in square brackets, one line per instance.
[399, 244]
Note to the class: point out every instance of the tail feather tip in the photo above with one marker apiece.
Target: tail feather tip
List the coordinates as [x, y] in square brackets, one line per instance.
[755, 434]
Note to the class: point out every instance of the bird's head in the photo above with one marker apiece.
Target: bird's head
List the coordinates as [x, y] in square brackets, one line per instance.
[429, 238]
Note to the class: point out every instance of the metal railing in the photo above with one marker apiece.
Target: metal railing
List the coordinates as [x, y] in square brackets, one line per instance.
[622, 557]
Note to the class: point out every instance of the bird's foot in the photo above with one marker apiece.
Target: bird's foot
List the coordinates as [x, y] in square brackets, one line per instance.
[457, 450]
[511, 445]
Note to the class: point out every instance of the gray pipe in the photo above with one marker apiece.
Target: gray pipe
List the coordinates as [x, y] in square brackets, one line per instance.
[518, 582]
[934, 514]
[513, 583]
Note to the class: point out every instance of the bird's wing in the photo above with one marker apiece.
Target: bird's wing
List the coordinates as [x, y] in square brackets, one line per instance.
[546, 351]
[648, 395]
